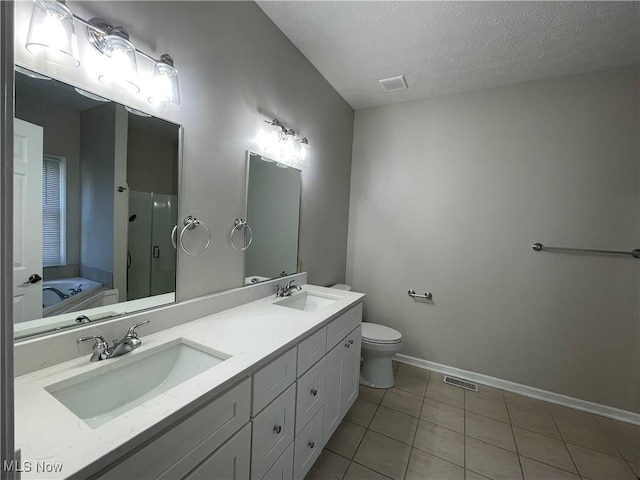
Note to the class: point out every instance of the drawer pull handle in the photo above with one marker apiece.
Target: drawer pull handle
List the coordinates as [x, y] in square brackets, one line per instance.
[314, 392]
[277, 429]
[346, 344]
[350, 342]
[311, 444]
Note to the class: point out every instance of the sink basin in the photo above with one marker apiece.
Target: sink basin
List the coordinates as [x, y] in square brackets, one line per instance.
[307, 302]
[106, 393]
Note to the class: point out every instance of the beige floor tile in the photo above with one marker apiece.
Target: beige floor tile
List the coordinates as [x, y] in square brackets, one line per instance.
[383, 454]
[328, 466]
[373, 395]
[635, 467]
[360, 472]
[412, 371]
[629, 447]
[544, 449]
[589, 436]
[404, 402]
[616, 427]
[440, 441]
[442, 414]
[491, 461]
[532, 420]
[578, 416]
[424, 466]
[489, 430]
[361, 412]
[469, 475]
[598, 466]
[439, 391]
[485, 391]
[346, 439]
[411, 383]
[495, 409]
[533, 470]
[394, 424]
[526, 402]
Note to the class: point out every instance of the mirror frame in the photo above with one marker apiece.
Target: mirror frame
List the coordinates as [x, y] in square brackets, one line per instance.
[180, 164]
[246, 216]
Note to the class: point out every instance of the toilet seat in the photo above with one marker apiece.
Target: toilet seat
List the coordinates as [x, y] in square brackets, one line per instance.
[379, 334]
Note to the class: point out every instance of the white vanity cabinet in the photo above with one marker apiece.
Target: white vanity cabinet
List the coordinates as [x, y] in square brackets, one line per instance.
[270, 426]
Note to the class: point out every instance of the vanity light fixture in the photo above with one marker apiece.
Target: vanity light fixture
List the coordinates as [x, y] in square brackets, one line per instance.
[284, 144]
[52, 37]
[90, 95]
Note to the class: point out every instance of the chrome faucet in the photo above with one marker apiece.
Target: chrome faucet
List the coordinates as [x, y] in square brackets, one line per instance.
[286, 291]
[102, 350]
[60, 294]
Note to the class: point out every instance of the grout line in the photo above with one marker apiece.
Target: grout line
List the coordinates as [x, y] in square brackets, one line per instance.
[513, 434]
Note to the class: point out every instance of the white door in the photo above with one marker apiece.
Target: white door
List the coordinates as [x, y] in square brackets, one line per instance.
[27, 221]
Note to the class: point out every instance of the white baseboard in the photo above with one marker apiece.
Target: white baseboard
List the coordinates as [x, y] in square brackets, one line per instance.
[578, 404]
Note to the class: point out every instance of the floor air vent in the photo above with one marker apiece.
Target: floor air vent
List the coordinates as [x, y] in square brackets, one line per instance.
[458, 382]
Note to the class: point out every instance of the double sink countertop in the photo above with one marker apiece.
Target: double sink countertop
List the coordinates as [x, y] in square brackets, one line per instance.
[55, 443]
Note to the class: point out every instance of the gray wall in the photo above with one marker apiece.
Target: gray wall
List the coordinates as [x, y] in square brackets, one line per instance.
[236, 70]
[61, 126]
[448, 195]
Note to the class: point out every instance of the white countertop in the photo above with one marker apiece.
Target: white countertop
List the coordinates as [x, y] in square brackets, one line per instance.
[253, 334]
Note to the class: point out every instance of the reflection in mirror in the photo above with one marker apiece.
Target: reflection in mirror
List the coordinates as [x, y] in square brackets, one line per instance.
[273, 212]
[95, 202]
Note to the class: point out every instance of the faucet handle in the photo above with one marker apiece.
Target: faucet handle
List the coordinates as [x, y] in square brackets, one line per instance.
[132, 330]
[97, 338]
[290, 283]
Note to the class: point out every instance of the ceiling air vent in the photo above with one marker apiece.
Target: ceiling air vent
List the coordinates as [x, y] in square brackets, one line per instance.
[394, 83]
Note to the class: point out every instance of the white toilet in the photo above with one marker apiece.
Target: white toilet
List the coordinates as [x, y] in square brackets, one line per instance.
[379, 344]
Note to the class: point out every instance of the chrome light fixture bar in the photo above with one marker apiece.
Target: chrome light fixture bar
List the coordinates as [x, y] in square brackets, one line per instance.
[52, 37]
[284, 144]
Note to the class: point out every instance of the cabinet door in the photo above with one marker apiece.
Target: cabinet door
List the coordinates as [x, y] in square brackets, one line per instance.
[283, 468]
[273, 431]
[310, 394]
[332, 391]
[308, 446]
[230, 462]
[350, 380]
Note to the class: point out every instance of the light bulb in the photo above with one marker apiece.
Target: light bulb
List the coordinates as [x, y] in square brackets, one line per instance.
[51, 34]
[120, 69]
[165, 88]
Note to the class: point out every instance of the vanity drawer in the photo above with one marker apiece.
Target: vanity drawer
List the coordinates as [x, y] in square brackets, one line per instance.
[273, 379]
[232, 461]
[310, 394]
[283, 468]
[273, 431]
[174, 453]
[308, 446]
[311, 349]
[341, 326]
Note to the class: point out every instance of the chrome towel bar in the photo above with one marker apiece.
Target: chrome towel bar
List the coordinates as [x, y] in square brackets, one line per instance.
[412, 293]
[538, 247]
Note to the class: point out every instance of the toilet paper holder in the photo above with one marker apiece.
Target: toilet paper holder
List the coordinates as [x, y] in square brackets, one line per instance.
[427, 295]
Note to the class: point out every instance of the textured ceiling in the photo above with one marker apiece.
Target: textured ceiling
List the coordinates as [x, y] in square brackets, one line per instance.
[453, 47]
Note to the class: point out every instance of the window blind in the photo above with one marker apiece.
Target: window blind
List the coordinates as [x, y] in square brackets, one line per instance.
[52, 212]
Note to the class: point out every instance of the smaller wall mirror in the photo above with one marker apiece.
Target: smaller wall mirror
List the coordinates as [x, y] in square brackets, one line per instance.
[273, 213]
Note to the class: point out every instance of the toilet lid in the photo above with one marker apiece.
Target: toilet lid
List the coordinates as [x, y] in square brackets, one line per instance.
[374, 333]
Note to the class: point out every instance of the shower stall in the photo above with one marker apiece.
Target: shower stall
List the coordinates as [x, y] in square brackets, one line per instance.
[151, 257]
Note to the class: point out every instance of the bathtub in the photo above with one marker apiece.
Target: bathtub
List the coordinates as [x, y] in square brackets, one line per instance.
[76, 288]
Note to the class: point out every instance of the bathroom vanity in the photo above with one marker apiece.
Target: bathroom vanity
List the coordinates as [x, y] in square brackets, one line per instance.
[277, 377]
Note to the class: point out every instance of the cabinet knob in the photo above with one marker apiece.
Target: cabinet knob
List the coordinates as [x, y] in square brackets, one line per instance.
[314, 392]
[311, 444]
[346, 344]
[350, 342]
[277, 429]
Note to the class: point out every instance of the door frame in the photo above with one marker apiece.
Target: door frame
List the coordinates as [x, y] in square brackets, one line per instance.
[6, 237]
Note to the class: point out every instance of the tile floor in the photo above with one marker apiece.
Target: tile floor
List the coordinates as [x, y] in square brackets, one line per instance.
[424, 429]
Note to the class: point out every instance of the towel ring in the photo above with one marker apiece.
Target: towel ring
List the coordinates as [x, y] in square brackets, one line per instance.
[173, 236]
[190, 223]
[238, 225]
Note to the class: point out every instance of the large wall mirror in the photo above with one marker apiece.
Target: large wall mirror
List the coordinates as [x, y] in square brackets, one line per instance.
[273, 213]
[95, 206]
